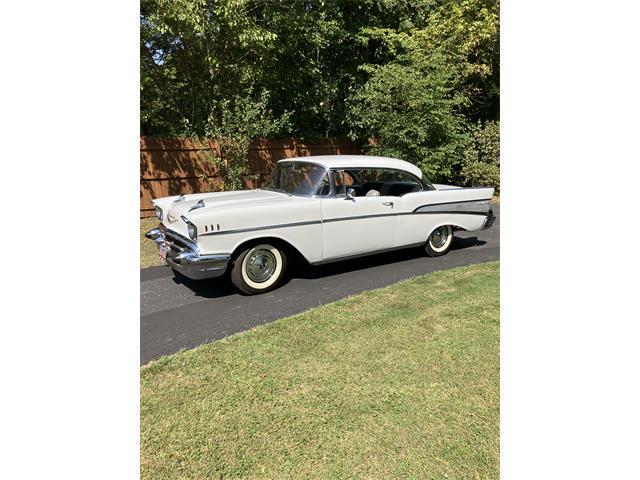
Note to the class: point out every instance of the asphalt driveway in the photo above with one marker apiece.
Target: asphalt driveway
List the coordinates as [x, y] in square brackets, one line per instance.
[177, 313]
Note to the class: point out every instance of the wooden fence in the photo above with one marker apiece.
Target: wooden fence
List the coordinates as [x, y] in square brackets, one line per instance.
[173, 166]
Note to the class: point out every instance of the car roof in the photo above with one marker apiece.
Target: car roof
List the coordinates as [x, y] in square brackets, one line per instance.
[358, 161]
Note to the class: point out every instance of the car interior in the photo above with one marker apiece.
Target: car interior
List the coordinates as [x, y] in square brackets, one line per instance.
[374, 183]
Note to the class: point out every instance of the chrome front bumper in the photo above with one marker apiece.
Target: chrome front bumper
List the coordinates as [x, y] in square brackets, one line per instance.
[184, 256]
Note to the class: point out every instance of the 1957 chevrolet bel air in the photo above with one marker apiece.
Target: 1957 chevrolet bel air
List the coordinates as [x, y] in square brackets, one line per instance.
[323, 209]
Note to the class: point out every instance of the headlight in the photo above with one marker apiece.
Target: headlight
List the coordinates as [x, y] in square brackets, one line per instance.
[191, 228]
[158, 213]
[193, 231]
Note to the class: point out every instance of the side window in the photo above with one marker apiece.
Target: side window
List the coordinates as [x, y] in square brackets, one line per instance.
[375, 182]
[386, 182]
[404, 177]
[401, 183]
[370, 182]
[341, 181]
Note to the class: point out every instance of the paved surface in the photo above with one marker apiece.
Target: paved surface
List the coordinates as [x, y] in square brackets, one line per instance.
[177, 313]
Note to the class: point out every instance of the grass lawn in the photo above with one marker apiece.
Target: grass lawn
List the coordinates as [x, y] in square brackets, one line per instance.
[401, 382]
[148, 251]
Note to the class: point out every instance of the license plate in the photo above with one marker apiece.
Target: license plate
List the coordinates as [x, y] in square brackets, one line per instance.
[162, 251]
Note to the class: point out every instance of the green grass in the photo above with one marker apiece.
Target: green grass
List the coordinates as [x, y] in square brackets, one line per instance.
[401, 382]
[148, 251]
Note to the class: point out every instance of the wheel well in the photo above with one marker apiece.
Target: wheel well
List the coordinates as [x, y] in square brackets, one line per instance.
[290, 251]
[454, 228]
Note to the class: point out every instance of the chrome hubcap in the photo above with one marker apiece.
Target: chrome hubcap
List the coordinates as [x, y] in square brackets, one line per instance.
[261, 265]
[439, 237]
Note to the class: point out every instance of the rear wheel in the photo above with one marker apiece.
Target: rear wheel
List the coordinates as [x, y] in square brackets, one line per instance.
[439, 242]
[258, 269]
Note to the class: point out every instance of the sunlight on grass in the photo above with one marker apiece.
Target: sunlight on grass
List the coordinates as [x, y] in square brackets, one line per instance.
[401, 382]
[148, 251]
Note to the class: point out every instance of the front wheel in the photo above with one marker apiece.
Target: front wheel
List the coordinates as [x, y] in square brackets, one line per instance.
[439, 242]
[258, 269]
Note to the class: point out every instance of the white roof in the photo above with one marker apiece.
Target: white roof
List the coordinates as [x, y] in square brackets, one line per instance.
[358, 161]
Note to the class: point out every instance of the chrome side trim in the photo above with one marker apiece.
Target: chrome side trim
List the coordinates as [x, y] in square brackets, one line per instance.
[266, 227]
[360, 217]
[418, 211]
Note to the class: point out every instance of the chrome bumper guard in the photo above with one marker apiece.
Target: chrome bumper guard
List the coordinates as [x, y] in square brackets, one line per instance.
[489, 220]
[184, 256]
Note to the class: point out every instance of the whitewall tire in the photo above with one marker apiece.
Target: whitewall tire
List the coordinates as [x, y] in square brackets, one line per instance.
[439, 241]
[258, 268]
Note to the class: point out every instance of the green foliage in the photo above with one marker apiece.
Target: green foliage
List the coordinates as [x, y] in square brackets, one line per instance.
[411, 118]
[481, 165]
[412, 75]
[436, 76]
[242, 120]
[194, 55]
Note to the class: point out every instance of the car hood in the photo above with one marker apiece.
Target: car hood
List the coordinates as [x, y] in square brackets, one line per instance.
[200, 203]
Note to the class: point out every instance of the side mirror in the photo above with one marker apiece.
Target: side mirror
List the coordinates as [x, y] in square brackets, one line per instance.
[351, 194]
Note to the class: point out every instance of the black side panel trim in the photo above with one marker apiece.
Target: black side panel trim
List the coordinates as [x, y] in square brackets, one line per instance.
[451, 203]
[437, 212]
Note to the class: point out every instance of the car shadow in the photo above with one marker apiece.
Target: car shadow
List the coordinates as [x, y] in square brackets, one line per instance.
[460, 243]
[306, 271]
[211, 288]
[221, 287]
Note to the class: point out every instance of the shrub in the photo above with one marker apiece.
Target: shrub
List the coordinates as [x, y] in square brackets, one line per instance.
[481, 161]
[240, 122]
[412, 116]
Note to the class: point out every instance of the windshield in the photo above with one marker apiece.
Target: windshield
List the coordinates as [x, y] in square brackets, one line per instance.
[299, 178]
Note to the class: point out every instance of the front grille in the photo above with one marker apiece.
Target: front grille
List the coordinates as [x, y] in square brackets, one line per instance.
[177, 243]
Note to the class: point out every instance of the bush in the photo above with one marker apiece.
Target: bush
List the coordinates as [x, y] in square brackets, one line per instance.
[242, 120]
[412, 116]
[481, 162]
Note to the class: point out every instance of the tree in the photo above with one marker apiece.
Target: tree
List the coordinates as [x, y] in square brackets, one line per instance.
[411, 117]
[413, 75]
[428, 77]
[194, 55]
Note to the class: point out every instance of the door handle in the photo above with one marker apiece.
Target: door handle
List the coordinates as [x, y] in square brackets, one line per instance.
[388, 204]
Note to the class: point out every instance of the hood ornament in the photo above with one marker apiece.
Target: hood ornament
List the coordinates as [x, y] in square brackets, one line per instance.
[200, 204]
[171, 214]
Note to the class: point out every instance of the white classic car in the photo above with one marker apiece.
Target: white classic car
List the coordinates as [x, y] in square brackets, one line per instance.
[323, 209]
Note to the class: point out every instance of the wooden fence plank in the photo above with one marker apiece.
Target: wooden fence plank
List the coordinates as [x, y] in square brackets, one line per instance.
[174, 166]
